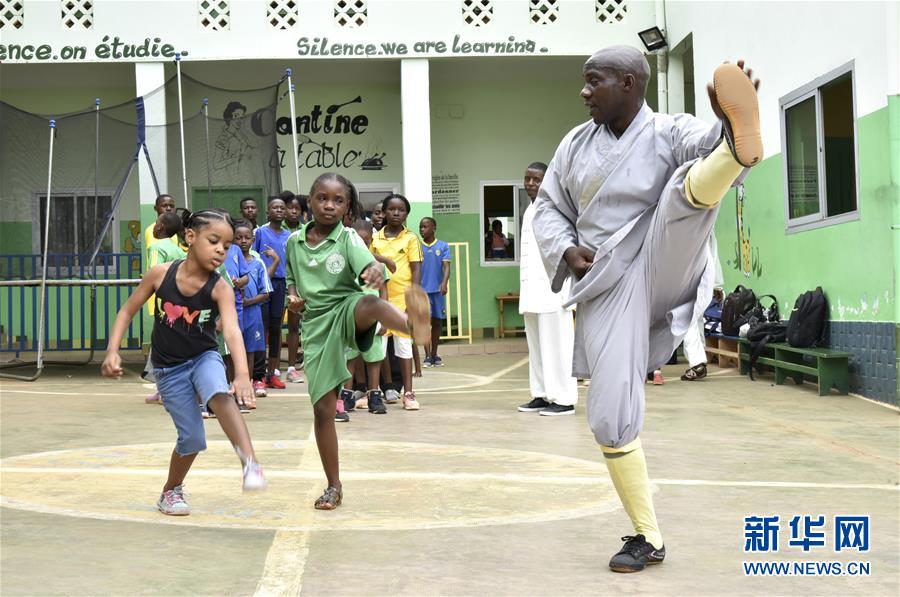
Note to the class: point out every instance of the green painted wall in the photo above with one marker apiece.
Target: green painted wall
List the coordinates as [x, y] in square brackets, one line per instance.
[852, 262]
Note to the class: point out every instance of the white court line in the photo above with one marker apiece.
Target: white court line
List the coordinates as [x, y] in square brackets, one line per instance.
[437, 476]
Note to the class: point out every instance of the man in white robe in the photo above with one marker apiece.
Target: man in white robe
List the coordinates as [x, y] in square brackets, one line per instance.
[625, 210]
[695, 338]
[549, 328]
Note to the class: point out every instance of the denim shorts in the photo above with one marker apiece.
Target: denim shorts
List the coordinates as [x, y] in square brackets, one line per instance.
[185, 389]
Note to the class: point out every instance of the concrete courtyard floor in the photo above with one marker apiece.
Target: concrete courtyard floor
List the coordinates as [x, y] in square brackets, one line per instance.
[465, 497]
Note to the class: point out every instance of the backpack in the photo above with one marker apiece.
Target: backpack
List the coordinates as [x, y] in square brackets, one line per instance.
[736, 310]
[806, 327]
[761, 334]
[712, 318]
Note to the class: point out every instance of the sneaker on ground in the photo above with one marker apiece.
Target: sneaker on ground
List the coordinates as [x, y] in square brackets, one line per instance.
[658, 378]
[277, 373]
[172, 502]
[391, 396]
[153, 398]
[349, 402]
[357, 396]
[376, 403]
[418, 310]
[294, 376]
[536, 404]
[636, 554]
[340, 414]
[426, 362]
[555, 410]
[410, 402]
[437, 361]
[695, 373]
[259, 388]
[363, 403]
[275, 382]
[206, 414]
[253, 476]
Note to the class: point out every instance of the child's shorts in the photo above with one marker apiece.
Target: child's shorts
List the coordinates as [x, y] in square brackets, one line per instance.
[438, 305]
[375, 353]
[326, 335]
[402, 346]
[185, 389]
[253, 330]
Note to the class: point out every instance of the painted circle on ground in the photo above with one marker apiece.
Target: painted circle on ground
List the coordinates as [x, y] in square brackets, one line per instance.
[387, 485]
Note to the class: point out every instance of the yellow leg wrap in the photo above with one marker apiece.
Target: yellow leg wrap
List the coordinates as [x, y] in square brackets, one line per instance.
[628, 471]
[710, 178]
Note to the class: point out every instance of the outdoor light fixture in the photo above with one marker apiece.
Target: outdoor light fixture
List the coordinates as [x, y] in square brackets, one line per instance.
[653, 39]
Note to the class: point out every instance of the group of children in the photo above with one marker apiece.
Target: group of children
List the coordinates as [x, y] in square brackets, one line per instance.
[217, 290]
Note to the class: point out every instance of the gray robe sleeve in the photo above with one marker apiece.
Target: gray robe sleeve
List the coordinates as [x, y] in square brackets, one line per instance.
[555, 216]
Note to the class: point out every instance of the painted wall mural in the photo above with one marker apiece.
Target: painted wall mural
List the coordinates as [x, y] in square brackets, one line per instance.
[746, 257]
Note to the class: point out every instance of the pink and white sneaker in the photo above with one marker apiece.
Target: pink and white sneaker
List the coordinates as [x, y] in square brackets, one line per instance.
[153, 398]
[172, 502]
[259, 388]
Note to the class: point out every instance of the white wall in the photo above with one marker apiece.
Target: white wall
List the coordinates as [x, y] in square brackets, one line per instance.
[788, 44]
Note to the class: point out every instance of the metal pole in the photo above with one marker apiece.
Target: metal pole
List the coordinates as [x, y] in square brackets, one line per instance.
[662, 62]
[96, 174]
[208, 168]
[187, 202]
[40, 357]
[289, 72]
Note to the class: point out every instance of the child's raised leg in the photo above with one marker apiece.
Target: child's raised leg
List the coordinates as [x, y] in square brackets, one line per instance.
[327, 442]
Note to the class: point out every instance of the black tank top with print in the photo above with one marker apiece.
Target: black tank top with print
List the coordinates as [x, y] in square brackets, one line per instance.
[185, 326]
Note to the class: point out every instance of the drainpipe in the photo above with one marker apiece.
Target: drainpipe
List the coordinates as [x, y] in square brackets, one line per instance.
[893, 78]
[662, 62]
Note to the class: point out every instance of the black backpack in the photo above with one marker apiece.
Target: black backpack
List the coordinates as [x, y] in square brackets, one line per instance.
[761, 334]
[737, 310]
[806, 327]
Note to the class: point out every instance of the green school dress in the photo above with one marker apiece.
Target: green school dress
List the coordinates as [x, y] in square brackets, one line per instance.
[327, 277]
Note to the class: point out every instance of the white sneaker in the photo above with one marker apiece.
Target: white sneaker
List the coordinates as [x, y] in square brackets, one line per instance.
[172, 502]
[391, 396]
[253, 476]
[276, 373]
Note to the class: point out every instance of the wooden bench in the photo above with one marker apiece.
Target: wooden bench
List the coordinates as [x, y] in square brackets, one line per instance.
[832, 366]
[501, 302]
[722, 350]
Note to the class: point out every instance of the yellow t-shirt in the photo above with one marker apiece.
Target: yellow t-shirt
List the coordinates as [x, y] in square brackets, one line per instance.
[149, 261]
[403, 250]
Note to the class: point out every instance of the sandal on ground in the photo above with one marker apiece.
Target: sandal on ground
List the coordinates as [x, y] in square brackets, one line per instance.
[695, 373]
[330, 500]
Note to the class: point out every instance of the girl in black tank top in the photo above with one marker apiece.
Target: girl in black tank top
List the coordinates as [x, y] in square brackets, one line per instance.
[190, 296]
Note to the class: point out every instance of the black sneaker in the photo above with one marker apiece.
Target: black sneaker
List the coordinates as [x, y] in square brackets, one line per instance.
[437, 362]
[376, 403]
[341, 418]
[555, 410]
[636, 554]
[535, 405]
[349, 400]
[695, 373]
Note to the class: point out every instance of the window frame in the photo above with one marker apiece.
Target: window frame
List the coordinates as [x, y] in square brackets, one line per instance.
[518, 186]
[36, 222]
[792, 99]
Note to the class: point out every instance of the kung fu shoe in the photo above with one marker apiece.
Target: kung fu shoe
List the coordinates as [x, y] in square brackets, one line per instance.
[636, 554]
[737, 98]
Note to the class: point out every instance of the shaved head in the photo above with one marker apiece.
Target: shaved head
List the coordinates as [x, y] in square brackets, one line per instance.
[623, 60]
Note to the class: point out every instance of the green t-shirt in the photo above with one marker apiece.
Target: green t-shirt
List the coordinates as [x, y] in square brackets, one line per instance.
[324, 275]
[164, 250]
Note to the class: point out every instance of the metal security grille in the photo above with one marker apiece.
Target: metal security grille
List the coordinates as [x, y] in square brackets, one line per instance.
[12, 14]
[543, 12]
[215, 15]
[351, 13]
[282, 14]
[477, 12]
[610, 11]
[77, 14]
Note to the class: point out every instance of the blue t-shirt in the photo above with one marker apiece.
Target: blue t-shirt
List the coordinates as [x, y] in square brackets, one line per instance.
[434, 256]
[235, 266]
[265, 236]
[252, 324]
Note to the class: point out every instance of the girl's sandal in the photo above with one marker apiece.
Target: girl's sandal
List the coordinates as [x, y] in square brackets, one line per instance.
[330, 500]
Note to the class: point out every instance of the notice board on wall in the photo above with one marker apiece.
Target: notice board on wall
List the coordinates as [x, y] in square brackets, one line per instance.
[445, 194]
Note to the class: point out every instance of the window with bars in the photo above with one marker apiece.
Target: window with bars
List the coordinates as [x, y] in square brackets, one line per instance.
[351, 13]
[76, 220]
[610, 11]
[77, 14]
[543, 12]
[12, 14]
[282, 14]
[215, 15]
[477, 12]
[818, 127]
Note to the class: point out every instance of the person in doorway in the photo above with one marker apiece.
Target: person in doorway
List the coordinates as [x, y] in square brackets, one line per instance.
[695, 338]
[549, 328]
[435, 281]
[190, 296]
[496, 242]
[327, 264]
[625, 210]
[377, 217]
[273, 236]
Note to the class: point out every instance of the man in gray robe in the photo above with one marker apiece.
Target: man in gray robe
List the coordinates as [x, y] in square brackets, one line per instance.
[625, 209]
